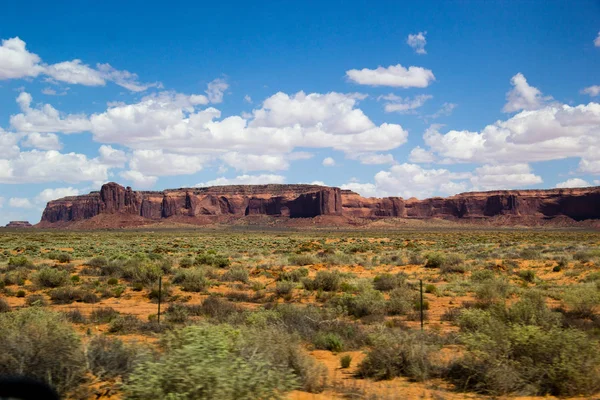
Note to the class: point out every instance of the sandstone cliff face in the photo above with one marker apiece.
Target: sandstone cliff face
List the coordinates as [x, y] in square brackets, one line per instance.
[307, 201]
[295, 201]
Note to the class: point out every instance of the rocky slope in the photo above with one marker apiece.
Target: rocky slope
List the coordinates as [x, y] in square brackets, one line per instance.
[222, 203]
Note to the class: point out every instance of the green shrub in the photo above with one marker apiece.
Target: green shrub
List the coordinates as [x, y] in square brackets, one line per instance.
[19, 262]
[209, 362]
[97, 262]
[368, 302]
[109, 357]
[50, 278]
[186, 262]
[401, 301]
[75, 317]
[329, 341]
[213, 260]
[435, 260]
[528, 359]
[345, 361]
[527, 275]
[284, 288]
[328, 281]
[177, 313]
[582, 300]
[303, 259]
[125, 324]
[492, 291]
[400, 354]
[16, 277]
[103, 315]
[42, 345]
[387, 282]
[20, 293]
[36, 300]
[236, 274]
[4, 306]
[294, 275]
[63, 258]
[66, 295]
[192, 280]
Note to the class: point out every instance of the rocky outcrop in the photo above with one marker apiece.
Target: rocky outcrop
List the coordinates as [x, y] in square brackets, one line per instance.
[18, 224]
[294, 201]
[308, 201]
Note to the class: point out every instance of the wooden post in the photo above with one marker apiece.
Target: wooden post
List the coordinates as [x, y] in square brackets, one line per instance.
[160, 296]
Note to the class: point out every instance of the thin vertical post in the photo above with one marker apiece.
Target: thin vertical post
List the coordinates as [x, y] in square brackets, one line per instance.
[160, 297]
[421, 307]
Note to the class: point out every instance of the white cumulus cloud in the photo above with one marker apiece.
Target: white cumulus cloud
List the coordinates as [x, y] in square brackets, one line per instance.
[593, 91]
[216, 89]
[43, 141]
[573, 183]
[328, 162]
[394, 75]
[244, 180]
[417, 41]
[523, 96]
[20, 202]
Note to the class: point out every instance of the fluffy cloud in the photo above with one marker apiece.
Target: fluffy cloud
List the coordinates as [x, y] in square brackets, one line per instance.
[244, 180]
[9, 144]
[47, 166]
[174, 123]
[160, 163]
[46, 118]
[215, 90]
[417, 42]
[597, 40]
[394, 75]
[522, 96]
[404, 105]
[328, 162]
[490, 177]
[445, 110]
[75, 72]
[552, 132]
[43, 141]
[374, 158]
[111, 156]
[572, 183]
[20, 202]
[16, 62]
[139, 180]
[364, 189]
[411, 180]
[419, 155]
[47, 195]
[256, 162]
[592, 90]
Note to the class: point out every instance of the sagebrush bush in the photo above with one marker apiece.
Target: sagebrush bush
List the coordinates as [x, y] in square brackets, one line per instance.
[367, 302]
[400, 354]
[50, 278]
[125, 324]
[209, 362]
[328, 341]
[345, 361]
[19, 262]
[528, 359]
[4, 306]
[236, 274]
[328, 281]
[401, 301]
[583, 300]
[109, 357]
[41, 344]
[36, 300]
[387, 282]
[192, 280]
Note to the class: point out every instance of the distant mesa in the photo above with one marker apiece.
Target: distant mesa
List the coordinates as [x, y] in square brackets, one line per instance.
[18, 224]
[115, 206]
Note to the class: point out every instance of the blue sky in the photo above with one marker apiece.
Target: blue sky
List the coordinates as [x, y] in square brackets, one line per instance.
[385, 98]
